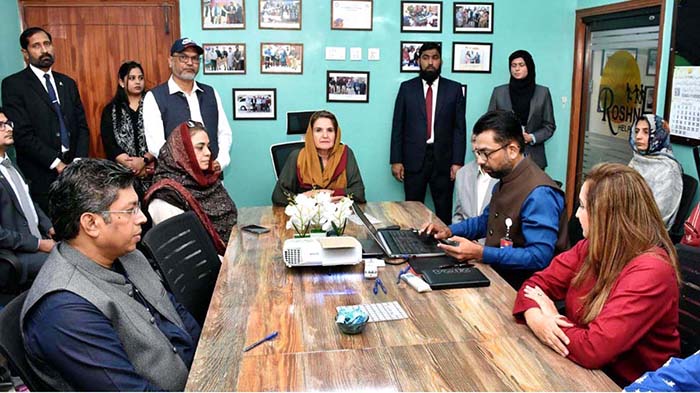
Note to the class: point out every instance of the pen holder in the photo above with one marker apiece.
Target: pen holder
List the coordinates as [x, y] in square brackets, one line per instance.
[351, 320]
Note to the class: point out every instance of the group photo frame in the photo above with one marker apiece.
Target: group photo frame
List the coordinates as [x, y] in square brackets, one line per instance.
[224, 58]
[472, 17]
[254, 104]
[421, 16]
[471, 57]
[281, 58]
[223, 14]
[279, 14]
[347, 86]
[351, 14]
[410, 60]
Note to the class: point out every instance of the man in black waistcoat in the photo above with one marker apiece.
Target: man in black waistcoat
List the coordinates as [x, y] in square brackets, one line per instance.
[525, 223]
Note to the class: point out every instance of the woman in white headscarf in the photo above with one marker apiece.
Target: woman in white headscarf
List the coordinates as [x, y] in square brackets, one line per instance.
[654, 160]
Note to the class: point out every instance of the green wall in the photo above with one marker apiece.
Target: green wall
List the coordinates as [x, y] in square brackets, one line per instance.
[11, 59]
[367, 127]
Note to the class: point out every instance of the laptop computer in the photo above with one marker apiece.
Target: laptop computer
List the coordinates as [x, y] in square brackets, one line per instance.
[400, 243]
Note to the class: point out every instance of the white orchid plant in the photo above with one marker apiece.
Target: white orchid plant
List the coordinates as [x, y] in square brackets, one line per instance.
[318, 211]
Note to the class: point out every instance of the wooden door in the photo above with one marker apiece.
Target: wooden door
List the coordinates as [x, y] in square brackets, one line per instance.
[93, 38]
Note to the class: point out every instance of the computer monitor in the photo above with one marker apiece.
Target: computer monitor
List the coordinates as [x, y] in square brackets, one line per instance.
[298, 121]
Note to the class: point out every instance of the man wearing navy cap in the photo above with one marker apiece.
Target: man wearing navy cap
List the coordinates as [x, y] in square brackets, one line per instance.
[181, 99]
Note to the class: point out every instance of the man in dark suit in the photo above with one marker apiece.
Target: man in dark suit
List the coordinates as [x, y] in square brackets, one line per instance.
[50, 126]
[24, 228]
[428, 136]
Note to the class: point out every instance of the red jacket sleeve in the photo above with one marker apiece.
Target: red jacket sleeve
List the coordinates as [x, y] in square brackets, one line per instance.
[641, 297]
[554, 280]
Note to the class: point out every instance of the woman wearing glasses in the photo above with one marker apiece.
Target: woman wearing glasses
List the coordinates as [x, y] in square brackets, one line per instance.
[185, 179]
[323, 164]
[620, 284]
[531, 102]
[122, 125]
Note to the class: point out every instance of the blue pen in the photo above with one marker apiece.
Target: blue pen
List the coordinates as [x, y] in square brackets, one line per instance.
[378, 283]
[401, 273]
[269, 337]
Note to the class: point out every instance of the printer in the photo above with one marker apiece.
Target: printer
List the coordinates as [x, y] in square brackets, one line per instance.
[322, 251]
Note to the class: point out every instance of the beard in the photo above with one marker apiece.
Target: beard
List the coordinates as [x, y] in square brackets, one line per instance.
[430, 75]
[44, 61]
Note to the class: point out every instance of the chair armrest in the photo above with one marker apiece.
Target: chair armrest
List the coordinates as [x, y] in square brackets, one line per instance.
[10, 264]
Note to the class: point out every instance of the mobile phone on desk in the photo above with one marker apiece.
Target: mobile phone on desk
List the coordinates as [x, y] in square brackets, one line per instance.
[256, 229]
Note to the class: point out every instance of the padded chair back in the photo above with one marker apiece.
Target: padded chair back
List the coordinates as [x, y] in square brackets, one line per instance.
[690, 187]
[279, 153]
[689, 313]
[187, 259]
[12, 345]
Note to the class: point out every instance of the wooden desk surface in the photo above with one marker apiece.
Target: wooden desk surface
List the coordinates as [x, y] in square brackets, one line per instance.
[459, 339]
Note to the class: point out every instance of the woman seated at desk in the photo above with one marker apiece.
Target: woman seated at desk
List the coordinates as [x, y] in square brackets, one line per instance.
[654, 160]
[620, 284]
[185, 180]
[322, 164]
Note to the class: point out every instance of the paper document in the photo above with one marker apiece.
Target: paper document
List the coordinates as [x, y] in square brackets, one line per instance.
[356, 220]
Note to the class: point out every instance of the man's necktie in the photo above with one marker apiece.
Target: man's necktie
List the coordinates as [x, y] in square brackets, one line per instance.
[23, 197]
[429, 110]
[65, 138]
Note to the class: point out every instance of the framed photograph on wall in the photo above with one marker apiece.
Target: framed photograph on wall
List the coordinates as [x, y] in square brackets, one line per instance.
[351, 14]
[409, 55]
[347, 86]
[421, 16]
[471, 57]
[279, 14]
[651, 61]
[281, 58]
[469, 17]
[254, 104]
[220, 14]
[649, 100]
[224, 58]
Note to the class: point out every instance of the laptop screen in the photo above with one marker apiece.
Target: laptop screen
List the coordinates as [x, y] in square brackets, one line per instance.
[368, 225]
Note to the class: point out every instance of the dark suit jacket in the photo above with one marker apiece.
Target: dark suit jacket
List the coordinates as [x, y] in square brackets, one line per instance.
[37, 130]
[540, 121]
[408, 133]
[14, 230]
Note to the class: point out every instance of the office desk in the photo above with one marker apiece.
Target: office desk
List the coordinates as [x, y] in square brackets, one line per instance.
[460, 339]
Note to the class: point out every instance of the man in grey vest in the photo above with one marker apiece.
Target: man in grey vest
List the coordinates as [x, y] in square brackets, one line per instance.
[97, 316]
[525, 222]
[180, 99]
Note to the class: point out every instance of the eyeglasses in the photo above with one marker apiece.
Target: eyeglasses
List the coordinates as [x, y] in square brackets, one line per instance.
[483, 154]
[193, 124]
[7, 125]
[133, 211]
[184, 59]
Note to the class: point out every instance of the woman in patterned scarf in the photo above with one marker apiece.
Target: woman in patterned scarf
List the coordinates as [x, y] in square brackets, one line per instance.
[654, 160]
[185, 180]
[122, 126]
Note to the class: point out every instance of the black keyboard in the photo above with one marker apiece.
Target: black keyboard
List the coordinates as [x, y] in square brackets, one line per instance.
[409, 243]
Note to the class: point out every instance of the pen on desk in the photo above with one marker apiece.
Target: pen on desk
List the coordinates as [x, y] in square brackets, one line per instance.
[401, 273]
[269, 337]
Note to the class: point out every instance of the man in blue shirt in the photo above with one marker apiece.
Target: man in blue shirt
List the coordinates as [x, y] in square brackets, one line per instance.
[677, 375]
[524, 225]
[97, 316]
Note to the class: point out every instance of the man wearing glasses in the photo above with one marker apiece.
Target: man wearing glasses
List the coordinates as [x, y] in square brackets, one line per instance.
[525, 223]
[97, 317]
[181, 98]
[25, 230]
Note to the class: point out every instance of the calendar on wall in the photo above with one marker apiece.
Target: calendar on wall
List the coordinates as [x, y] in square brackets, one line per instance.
[685, 103]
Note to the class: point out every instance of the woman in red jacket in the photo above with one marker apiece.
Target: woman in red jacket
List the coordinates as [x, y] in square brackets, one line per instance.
[620, 284]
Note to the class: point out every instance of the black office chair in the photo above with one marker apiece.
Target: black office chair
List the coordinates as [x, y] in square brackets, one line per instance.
[187, 260]
[12, 346]
[689, 313]
[690, 187]
[10, 276]
[279, 153]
